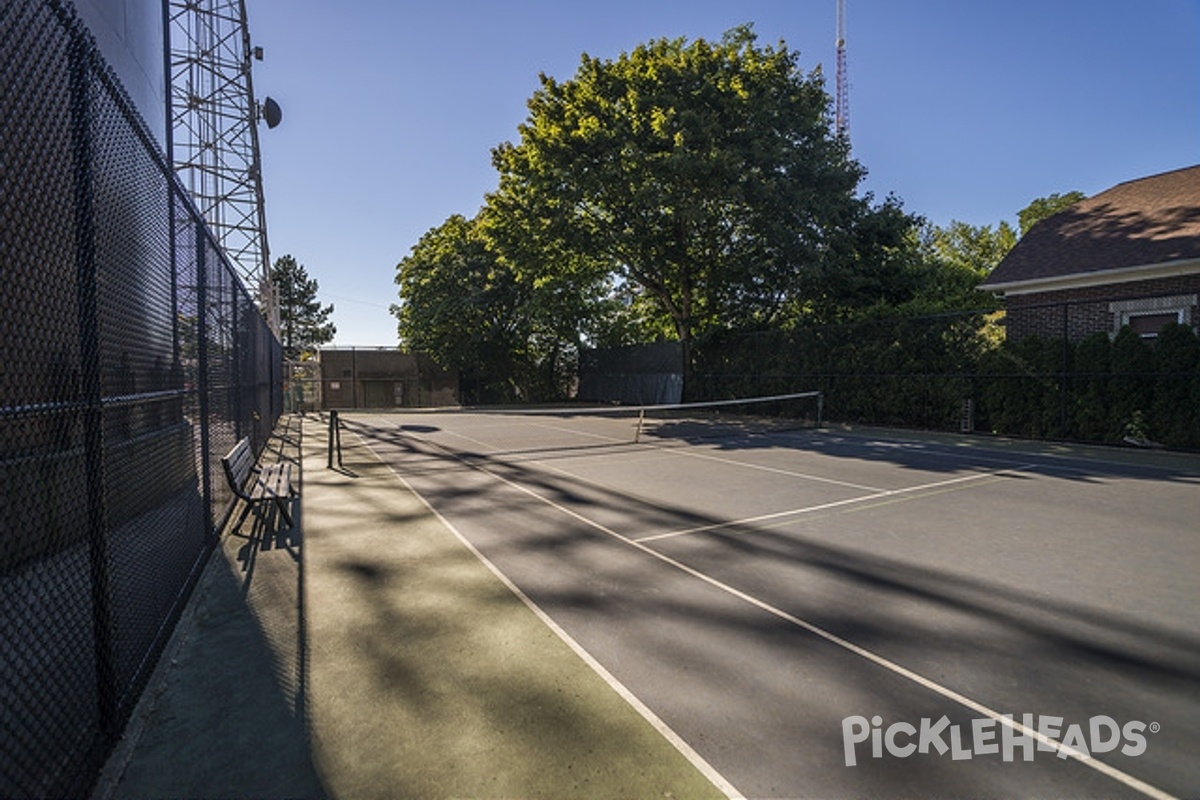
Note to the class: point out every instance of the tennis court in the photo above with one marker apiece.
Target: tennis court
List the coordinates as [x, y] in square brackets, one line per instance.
[831, 613]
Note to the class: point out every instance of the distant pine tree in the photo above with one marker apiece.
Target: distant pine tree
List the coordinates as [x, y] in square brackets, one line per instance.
[303, 323]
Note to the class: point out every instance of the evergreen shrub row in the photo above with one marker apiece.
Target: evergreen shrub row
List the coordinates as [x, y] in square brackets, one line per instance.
[920, 372]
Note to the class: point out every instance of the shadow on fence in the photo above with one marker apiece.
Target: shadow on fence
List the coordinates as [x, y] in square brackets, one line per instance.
[133, 359]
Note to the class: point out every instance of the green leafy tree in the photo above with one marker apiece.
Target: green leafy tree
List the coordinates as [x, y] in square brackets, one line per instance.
[512, 338]
[303, 322]
[955, 260]
[973, 249]
[623, 314]
[876, 268]
[705, 175]
[1045, 207]
[457, 303]
[958, 257]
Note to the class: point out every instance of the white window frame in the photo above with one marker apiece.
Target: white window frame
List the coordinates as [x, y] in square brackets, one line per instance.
[1123, 310]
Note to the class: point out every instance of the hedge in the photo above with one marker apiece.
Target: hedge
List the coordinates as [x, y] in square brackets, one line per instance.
[920, 372]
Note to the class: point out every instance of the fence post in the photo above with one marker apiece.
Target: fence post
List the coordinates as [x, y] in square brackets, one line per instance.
[202, 380]
[235, 341]
[103, 633]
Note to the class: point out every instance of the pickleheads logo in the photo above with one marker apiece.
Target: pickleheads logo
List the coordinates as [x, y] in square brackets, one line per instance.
[1003, 736]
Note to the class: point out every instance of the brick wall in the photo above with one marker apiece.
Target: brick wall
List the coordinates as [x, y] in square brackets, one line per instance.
[1082, 312]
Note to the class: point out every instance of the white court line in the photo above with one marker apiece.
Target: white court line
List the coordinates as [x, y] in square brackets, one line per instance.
[775, 470]
[678, 742]
[578, 432]
[875, 495]
[979, 708]
[719, 459]
[609, 488]
[834, 504]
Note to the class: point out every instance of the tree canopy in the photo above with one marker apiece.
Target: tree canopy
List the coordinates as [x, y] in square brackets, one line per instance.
[468, 308]
[678, 191]
[1046, 207]
[303, 321]
[460, 305]
[958, 257]
[705, 175]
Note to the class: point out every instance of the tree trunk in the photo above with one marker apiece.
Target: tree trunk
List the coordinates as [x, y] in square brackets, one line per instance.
[683, 325]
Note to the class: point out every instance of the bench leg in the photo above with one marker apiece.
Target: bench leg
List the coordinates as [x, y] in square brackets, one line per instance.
[283, 509]
[242, 518]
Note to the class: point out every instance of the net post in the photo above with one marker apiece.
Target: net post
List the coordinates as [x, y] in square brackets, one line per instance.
[637, 433]
[820, 409]
[335, 439]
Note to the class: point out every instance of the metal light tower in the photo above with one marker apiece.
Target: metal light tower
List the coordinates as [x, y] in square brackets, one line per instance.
[842, 108]
[214, 131]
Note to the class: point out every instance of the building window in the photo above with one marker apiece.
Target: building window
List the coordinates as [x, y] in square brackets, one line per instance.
[1148, 316]
[1148, 325]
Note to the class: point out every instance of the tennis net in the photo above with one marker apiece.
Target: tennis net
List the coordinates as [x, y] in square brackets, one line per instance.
[712, 419]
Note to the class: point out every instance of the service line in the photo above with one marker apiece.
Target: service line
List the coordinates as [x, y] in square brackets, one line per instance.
[795, 512]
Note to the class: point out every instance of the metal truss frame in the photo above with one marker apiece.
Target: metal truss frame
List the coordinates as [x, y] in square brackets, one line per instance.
[214, 133]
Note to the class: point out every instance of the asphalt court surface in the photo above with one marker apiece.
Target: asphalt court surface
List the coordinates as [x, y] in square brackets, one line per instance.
[794, 601]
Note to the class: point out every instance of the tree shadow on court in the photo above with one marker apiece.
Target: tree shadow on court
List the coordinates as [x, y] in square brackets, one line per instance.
[438, 681]
[910, 450]
[1017, 651]
[751, 539]
[937, 452]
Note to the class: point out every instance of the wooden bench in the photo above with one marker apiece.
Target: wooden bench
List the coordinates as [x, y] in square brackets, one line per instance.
[255, 485]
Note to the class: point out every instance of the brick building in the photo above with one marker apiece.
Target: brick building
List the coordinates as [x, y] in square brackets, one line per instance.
[383, 378]
[1127, 256]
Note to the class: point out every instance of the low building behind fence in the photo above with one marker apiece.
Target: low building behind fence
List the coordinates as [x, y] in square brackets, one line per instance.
[380, 378]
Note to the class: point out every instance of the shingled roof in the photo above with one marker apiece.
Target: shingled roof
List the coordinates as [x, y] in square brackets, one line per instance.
[1148, 222]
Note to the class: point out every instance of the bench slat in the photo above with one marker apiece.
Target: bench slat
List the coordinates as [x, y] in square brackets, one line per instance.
[253, 485]
[275, 481]
[239, 463]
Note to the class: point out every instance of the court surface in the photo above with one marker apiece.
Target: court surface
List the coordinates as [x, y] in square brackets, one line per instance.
[848, 614]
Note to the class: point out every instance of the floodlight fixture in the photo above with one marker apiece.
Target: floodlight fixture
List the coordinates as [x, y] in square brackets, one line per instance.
[272, 114]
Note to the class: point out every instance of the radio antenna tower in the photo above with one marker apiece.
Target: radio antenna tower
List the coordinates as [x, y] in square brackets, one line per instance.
[842, 108]
[214, 133]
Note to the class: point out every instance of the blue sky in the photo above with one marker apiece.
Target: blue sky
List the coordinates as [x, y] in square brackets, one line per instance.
[964, 110]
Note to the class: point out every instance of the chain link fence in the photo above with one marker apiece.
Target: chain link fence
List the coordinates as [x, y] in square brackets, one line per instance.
[131, 360]
[302, 387]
